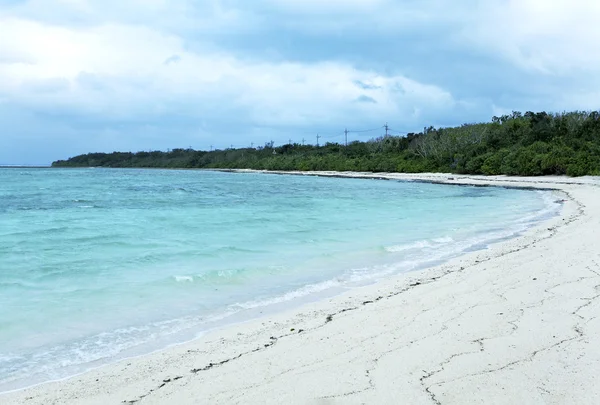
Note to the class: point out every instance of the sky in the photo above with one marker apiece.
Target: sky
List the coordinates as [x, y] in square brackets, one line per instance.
[80, 76]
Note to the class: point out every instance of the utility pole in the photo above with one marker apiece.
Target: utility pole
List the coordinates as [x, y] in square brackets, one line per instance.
[346, 134]
[318, 140]
[290, 141]
[386, 129]
[231, 146]
[303, 140]
[211, 148]
[251, 145]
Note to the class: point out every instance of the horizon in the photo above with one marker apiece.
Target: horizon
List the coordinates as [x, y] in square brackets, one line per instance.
[89, 76]
[8, 165]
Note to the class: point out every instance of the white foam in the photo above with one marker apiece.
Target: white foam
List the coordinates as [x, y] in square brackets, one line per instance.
[422, 244]
[61, 361]
[415, 245]
[184, 279]
[295, 294]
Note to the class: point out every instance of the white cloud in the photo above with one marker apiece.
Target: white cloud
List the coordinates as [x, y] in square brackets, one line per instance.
[190, 63]
[207, 16]
[549, 37]
[319, 6]
[115, 68]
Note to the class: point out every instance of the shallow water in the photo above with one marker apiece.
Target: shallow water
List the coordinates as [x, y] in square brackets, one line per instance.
[97, 264]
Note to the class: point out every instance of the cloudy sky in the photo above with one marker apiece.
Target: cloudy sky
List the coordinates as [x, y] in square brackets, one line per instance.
[100, 75]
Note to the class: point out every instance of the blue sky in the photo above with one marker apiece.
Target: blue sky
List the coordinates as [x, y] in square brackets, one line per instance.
[101, 75]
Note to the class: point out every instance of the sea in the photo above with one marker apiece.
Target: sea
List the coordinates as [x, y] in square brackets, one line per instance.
[98, 264]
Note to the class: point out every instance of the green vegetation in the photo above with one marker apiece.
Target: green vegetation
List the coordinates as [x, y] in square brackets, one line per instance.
[529, 144]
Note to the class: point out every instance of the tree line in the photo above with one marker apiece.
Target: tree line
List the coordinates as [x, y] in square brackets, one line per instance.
[528, 144]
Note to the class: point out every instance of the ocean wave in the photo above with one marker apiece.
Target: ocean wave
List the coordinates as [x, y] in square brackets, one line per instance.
[32, 209]
[62, 360]
[228, 249]
[291, 295]
[18, 284]
[415, 245]
[234, 275]
[184, 279]
[421, 244]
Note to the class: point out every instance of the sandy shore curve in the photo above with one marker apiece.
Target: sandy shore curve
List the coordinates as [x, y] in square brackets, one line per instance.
[514, 324]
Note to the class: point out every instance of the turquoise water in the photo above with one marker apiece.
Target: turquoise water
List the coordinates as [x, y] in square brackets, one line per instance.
[99, 264]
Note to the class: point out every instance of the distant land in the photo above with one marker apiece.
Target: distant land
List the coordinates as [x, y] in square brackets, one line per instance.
[529, 144]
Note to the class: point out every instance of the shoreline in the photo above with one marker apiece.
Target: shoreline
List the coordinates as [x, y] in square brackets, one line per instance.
[281, 305]
[228, 319]
[221, 348]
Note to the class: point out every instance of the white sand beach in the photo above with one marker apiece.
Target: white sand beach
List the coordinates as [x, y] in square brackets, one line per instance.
[514, 324]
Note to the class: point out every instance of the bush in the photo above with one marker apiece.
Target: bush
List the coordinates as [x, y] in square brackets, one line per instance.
[527, 144]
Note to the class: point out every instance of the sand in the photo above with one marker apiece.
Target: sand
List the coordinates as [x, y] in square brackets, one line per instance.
[514, 324]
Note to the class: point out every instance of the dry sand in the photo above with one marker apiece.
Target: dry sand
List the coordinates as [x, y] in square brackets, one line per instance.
[515, 324]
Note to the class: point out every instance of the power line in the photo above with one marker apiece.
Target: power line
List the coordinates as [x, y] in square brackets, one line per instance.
[359, 133]
[363, 135]
[368, 130]
[332, 136]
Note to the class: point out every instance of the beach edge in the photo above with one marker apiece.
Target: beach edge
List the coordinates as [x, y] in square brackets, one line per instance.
[149, 380]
